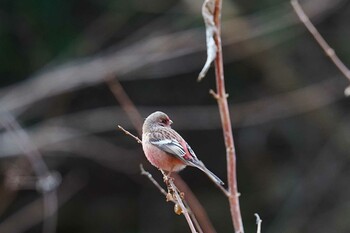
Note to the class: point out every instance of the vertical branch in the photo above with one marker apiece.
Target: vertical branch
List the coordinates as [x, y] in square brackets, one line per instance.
[212, 13]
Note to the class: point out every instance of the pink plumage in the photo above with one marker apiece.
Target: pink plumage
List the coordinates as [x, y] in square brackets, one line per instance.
[166, 149]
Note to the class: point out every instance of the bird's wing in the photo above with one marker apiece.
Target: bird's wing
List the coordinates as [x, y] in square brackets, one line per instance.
[184, 152]
[193, 155]
[170, 146]
[176, 148]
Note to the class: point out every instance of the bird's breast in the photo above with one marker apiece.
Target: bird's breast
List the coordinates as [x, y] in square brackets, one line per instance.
[162, 159]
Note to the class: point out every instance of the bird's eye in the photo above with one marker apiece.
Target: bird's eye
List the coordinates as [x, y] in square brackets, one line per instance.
[164, 121]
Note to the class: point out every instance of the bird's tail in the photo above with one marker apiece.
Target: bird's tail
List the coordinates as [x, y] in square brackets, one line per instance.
[211, 175]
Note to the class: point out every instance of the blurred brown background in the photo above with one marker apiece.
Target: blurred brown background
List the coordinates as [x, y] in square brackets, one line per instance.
[290, 116]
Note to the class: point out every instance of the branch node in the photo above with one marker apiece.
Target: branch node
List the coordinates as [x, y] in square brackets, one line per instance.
[212, 92]
[347, 91]
[330, 52]
[229, 149]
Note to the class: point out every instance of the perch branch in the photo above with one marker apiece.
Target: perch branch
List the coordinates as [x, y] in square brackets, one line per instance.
[150, 177]
[321, 41]
[175, 194]
[194, 207]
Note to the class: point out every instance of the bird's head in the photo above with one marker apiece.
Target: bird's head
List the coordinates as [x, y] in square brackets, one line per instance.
[156, 119]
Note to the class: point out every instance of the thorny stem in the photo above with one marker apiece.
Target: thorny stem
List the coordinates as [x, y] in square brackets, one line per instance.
[221, 97]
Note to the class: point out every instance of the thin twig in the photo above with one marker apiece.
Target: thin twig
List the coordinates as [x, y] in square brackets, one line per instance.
[150, 177]
[258, 223]
[183, 208]
[126, 103]
[130, 134]
[195, 207]
[47, 182]
[321, 41]
[174, 192]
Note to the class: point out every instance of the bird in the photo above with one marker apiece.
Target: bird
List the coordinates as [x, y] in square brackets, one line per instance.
[166, 149]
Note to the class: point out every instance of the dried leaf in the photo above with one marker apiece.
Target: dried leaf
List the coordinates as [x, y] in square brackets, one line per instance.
[169, 197]
[210, 30]
[177, 209]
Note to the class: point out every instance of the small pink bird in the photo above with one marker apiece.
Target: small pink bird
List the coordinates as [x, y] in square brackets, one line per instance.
[166, 149]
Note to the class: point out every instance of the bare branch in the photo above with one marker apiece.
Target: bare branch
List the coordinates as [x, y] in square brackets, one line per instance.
[194, 207]
[174, 194]
[126, 103]
[130, 134]
[150, 177]
[221, 97]
[321, 41]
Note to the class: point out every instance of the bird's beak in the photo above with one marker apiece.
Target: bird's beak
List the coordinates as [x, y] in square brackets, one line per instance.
[170, 121]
